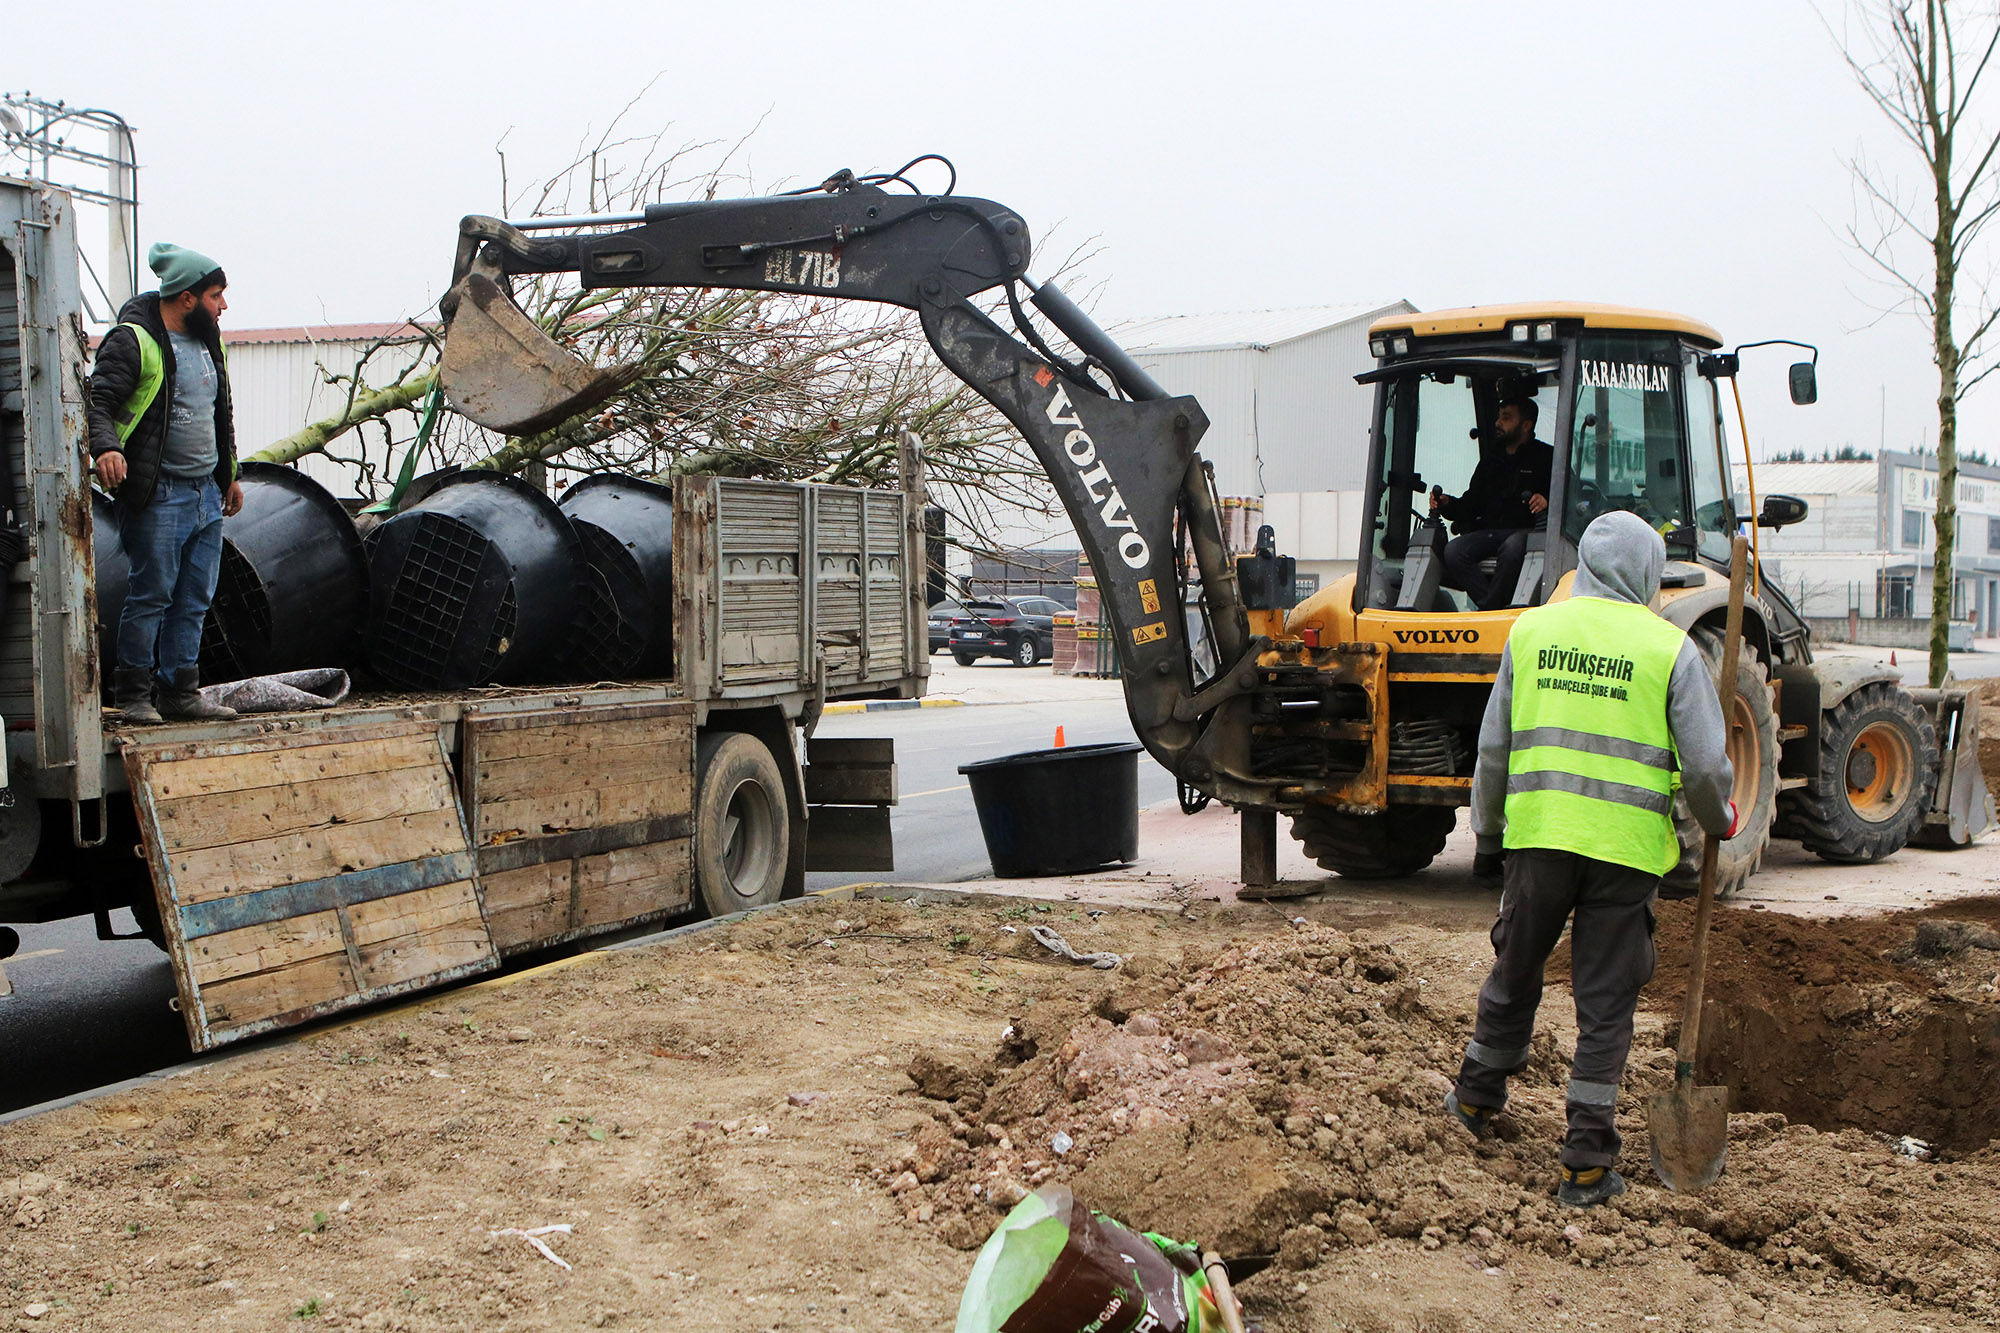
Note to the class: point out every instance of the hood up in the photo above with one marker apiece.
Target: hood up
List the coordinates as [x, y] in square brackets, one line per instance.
[1620, 558]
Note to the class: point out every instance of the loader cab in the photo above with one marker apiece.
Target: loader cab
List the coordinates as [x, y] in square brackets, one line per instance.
[1620, 396]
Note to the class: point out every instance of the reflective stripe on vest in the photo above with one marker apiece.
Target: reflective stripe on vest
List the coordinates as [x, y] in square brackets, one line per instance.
[1591, 769]
[152, 374]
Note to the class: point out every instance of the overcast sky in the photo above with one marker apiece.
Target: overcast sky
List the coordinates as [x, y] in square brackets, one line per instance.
[1689, 155]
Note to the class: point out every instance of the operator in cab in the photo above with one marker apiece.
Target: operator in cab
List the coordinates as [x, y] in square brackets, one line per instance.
[1601, 710]
[1508, 494]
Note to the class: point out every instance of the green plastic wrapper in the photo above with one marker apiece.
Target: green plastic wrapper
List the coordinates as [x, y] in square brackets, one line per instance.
[1056, 1266]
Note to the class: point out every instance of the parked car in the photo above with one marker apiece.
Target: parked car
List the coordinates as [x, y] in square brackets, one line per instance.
[941, 617]
[1020, 629]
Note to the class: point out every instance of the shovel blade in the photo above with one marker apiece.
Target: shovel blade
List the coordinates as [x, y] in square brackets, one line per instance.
[1690, 1131]
[502, 372]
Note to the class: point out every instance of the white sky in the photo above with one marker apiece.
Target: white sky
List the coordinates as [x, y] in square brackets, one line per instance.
[1223, 157]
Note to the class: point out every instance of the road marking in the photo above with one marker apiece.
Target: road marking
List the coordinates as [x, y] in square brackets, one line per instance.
[936, 791]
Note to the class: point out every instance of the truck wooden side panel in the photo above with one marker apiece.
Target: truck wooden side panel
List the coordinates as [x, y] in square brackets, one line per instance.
[581, 818]
[298, 875]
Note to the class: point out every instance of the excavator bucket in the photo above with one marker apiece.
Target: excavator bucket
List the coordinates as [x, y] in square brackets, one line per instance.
[1961, 807]
[502, 372]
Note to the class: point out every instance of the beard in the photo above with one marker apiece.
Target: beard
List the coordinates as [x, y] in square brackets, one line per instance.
[201, 324]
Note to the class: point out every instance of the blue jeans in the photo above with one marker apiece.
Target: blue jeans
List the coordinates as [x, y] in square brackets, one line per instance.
[174, 546]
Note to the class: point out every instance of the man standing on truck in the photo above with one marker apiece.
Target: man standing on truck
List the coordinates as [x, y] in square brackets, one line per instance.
[163, 443]
[1595, 701]
[1507, 496]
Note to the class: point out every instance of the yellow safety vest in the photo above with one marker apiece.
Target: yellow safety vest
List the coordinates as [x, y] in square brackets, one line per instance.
[1592, 767]
[152, 374]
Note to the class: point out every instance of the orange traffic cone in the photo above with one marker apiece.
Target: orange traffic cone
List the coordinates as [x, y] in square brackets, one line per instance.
[1059, 738]
[1892, 657]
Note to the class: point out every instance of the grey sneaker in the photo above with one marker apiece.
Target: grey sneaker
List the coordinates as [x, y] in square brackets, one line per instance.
[1589, 1187]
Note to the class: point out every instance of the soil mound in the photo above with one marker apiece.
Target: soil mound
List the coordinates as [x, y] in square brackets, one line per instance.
[1284, 1102]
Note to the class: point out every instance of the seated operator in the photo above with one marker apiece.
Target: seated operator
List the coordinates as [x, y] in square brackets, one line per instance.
[1506, 497]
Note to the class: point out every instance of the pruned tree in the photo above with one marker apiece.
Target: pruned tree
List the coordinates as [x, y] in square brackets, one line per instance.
[1923, 64]
[735, 383]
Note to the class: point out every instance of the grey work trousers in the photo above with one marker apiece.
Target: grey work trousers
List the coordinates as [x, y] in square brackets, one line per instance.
[1612, 959]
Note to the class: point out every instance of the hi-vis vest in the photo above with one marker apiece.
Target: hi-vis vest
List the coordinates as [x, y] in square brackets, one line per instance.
[1592, 767]
[152, 374]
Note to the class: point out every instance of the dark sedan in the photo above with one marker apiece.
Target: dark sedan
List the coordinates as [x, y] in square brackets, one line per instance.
[941, 617]
[1020, 629]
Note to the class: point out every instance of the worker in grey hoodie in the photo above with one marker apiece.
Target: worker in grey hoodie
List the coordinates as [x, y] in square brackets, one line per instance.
[1601, 711]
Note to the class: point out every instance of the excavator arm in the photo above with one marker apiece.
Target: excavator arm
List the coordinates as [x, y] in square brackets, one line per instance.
[1122, 458]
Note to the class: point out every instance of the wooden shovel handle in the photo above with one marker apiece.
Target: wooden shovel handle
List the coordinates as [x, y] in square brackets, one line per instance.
[1725, 693]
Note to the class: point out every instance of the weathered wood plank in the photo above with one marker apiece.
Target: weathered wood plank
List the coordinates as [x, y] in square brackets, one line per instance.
[246, 999]
[849, 837]
[851, 786]
[528, 904]
[225, 818]
[608, 766]
[584, 734]
[207, 775]
[491, 723]
[563, 811]
[264, 948]
[417, 934]
[306, 730]
[293, 858]
[866, 751]
[634, 881]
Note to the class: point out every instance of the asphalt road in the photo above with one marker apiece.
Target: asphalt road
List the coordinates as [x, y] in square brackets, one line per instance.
[86, 1012]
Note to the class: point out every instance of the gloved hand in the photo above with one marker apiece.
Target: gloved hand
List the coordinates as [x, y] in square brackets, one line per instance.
[1488, 865]
[1735, 822]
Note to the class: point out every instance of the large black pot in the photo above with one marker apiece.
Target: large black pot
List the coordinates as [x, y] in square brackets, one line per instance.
[1058, 812]
[114, 572]
[625, 626]
[477, 584]
[293, 591]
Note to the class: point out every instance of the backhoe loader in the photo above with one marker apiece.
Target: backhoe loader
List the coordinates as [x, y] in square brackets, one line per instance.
[1354, 712]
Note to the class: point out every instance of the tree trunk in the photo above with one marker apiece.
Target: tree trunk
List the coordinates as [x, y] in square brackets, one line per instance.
[365, 407]
[1944, 343]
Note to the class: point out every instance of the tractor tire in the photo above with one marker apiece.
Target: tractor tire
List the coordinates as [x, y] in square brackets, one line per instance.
[1753, 753]
[1878, 766]
[742, 823]
[1401, 841]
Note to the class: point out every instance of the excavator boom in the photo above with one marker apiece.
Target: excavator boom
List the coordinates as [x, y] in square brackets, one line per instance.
[1121, 458]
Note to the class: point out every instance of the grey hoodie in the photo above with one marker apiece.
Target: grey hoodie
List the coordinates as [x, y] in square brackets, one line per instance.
[1619, 559]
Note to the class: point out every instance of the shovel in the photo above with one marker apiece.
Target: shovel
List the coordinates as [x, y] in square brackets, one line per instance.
[500, 370]
[1690, 1126]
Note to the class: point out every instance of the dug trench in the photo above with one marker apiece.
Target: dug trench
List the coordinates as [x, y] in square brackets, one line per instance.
[809, 1121]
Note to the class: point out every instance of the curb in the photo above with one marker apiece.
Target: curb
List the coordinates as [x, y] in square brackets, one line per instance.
[890, 705]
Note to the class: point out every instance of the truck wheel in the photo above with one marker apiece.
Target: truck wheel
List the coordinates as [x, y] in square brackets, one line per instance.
[1401, 841]
[1878, 763]
[1753, 753]
[963, 659]
[1027, 652]
[742, 823]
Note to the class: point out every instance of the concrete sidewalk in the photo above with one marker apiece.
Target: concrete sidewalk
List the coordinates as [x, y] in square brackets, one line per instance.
[1188, 859]
[992, 681]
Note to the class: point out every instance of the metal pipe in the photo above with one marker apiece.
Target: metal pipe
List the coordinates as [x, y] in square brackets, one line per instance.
[1092, 341]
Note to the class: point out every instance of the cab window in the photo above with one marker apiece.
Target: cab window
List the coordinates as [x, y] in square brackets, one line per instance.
[1625, 445]
[1708, 468]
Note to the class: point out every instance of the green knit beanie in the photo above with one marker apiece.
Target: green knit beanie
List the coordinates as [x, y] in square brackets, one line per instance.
[179, 268]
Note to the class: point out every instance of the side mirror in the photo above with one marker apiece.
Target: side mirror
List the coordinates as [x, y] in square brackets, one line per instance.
[1781, 511]
[1682, 541]
[1805, 383]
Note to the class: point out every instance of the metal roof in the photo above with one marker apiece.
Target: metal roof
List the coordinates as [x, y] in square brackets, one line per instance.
[1242, 328]
[1858, 477]
[323, 333]
[1484, 318]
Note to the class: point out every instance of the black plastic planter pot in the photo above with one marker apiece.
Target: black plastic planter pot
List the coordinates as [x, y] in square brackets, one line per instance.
[1058, 812]
[475, 585]
[293, 592]
[625, 626]
[114, 573]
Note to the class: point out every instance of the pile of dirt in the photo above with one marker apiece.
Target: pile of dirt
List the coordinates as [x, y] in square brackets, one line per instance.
[1284, 1101]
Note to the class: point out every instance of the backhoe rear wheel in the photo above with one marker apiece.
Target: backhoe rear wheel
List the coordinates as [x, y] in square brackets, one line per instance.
[1878, 763]
[1753, 754]
[742, 823]
[1400, 841]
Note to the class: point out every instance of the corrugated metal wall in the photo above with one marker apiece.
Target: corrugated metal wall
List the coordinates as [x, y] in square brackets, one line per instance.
[1284, 418]
[279, 387]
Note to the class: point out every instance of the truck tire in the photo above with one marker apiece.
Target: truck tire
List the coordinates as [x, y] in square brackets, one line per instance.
[1400, 841]
[1878, 765]
[742, 823]
[1027, 652]
[1753, 752]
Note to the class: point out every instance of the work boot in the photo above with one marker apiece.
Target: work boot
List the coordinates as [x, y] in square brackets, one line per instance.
[132, 692]
[1586, 1187]
[1477, 1120]
[182, 699]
